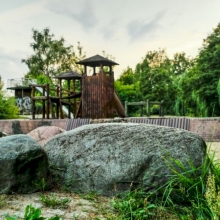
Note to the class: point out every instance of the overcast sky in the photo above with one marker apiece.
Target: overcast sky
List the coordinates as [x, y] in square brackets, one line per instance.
[125, 29]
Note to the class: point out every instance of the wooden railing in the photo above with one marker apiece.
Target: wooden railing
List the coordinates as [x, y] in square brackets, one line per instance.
[147, 104]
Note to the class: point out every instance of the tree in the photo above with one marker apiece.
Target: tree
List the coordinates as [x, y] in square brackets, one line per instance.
[51, 56]
[181, 64]
[154, 74]
[206, 75]
[128, 89]
[160, 78]
[127, 77]
[8, 110]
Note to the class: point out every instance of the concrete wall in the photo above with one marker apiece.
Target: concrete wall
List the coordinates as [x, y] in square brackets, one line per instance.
[25, 126]
[207, 128]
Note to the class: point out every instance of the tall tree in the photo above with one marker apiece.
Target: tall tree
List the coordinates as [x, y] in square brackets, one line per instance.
[180, 66]
[51, 56]
[154, 73]
[128, 89]
[161, 77]
[127, 77]
[207, 76]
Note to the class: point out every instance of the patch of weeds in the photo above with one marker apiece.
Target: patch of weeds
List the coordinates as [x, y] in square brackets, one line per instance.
[191, 193]
[212, 196]
[54, 202]
[134, 205]
[41, 184]
[3, 200]
[91, 196]
[76, 216]
[9, 217]
[106, 210]
[184, 193]
[65, 189]
[31, 213]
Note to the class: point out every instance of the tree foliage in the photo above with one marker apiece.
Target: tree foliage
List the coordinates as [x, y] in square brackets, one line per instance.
[208, 64]
[128, 89]
[200, 84]
[156, 78]
[188, 86]
[8, 110]
[51, 56]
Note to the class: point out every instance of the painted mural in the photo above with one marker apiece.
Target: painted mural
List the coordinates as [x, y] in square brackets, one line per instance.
[24, 104]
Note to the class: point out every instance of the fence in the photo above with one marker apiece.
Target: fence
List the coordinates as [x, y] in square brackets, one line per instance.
[148, 104]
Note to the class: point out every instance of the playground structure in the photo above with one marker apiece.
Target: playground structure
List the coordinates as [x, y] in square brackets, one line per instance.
[83, 96]
[148, 104]
[99, 99]
[22, 92]
[63, 100]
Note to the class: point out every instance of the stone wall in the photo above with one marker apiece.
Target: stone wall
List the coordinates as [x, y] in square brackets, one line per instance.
[207, 128]
[25, 126]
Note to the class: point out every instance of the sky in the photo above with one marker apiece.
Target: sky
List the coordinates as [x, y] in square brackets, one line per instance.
[125, 29]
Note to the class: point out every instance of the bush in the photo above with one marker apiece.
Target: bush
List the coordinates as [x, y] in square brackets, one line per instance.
[8, 109]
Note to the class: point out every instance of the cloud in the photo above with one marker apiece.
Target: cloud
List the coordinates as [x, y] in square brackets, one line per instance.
[109, 29]
[138, 29]
[83, 13]
[10, 65]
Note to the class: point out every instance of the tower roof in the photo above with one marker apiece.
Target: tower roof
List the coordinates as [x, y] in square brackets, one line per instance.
[97, 60]
[69, 75]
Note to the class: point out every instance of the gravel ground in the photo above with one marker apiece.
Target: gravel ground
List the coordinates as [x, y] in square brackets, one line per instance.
[78, 208]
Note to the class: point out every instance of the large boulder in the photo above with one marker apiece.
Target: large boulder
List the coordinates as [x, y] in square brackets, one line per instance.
[23, 164]
[44, 133]
[108, 158]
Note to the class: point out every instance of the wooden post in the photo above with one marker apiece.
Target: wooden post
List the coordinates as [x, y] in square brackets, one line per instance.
[85, 70]
[94, 73]
[126, 108]
[148, 108]
[44, 107]
[141, 109]
[74, 92]
[48, 101]
[57, 104]
[33, 102]
[69, 102]
[162, 108]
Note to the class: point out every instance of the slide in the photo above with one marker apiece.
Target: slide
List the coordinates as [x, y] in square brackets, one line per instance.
[118, 106]
[64, 108]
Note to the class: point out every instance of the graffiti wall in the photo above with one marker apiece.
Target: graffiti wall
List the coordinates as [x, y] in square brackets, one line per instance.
[24, 104]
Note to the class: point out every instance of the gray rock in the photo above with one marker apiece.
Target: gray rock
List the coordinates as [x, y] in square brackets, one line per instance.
[23, 164]
[2, 134]
[108, 158]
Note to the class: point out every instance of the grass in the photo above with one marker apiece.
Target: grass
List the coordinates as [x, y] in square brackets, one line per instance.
[186, 196]
[54, 202]
[3, 199]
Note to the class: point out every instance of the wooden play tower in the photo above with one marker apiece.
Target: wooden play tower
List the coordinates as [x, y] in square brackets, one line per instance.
[94, 97]
[99, 99]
